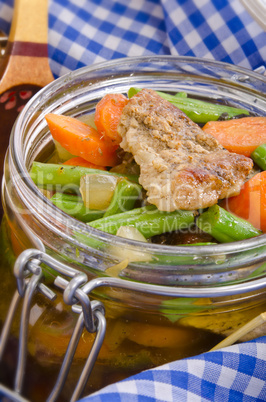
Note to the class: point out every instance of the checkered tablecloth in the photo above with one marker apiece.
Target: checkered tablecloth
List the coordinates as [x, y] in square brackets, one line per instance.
[83, 32]
[236, 374]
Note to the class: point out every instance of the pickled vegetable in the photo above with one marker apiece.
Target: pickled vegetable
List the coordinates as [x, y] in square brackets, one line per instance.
[124, 198]
[224, 226]
[129, 254]
[49, 174]
[259, 156]
[148, 220]
[242, 136]
[97, 190]
[250, 204]
[107, 115]
[82, 140]
[74, 206]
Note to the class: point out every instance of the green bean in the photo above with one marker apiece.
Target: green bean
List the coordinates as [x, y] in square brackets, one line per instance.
[197, 110]
[49, 174]
[261, 270]
[225, 227]
[181, 94]
[259, 156]
[125, 196]
[74, 206]
[177, 308]
[148, 220]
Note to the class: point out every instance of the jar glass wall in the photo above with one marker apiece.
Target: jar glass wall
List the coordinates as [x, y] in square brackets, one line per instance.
[143, 329]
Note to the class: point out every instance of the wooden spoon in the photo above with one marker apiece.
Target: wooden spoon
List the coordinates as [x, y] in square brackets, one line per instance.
[3, 42]
[24, 68]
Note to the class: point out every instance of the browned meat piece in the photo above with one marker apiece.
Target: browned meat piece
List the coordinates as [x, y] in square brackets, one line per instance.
[181, 166]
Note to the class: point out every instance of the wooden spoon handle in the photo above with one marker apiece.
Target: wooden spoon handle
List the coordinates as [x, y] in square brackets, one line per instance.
[30, 21]
[26, 56]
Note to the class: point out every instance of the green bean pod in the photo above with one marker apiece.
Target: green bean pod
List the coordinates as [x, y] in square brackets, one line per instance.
[52, 175]
[225, 227]
[148, 220]
[74, 206]
[125, 196]
[259, 156]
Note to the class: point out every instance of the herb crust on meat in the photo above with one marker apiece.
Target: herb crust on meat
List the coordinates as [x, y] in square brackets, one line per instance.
[181, 166]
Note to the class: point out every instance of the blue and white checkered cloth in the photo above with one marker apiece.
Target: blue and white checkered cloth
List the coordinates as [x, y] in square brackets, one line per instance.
[236, 373]
[84, 32]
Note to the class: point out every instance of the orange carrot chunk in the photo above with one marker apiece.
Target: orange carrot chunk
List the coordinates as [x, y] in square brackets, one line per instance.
[82, 140]
[241, 136]
[250, 204]
[78, 161]
[107, 115]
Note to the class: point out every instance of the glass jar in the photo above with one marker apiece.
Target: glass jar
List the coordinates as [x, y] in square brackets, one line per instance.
[161, 304]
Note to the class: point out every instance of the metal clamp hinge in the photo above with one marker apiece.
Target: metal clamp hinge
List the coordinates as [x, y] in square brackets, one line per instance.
[29, 275]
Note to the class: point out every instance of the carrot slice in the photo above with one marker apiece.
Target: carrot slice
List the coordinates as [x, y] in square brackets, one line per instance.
[250, 204]
[159, 336]
[107, 115]
[82, 140]
[78, 161]
[241, 136]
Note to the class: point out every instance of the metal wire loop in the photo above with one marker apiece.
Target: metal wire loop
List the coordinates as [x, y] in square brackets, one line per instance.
[31, 289]
[28, 263]
[100, 334]
[70, 293]
[22, 268]
[73, 294]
